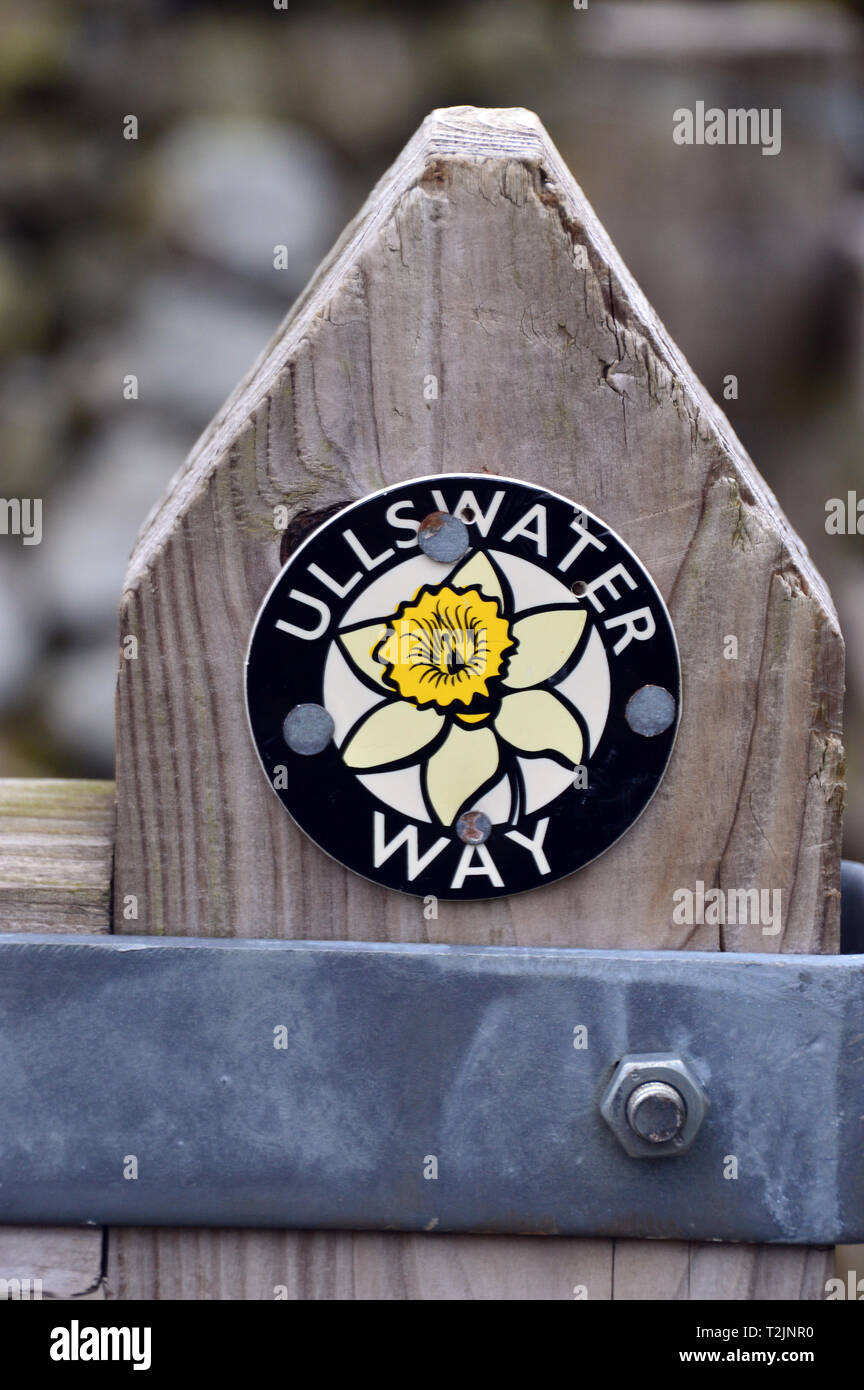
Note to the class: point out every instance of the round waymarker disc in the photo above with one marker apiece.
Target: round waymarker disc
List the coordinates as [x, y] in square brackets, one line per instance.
[463, 686]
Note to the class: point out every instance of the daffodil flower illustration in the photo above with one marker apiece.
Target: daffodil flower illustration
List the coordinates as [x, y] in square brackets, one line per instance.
[466, 686]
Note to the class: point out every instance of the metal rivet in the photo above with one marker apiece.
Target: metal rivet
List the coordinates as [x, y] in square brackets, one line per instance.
[650, 710]
[307, 729]
[474, 828]
[656, 1112]
[443, 537]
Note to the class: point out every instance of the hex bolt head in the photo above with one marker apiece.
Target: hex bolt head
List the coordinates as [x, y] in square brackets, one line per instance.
[656, 1111]
[654, 1104]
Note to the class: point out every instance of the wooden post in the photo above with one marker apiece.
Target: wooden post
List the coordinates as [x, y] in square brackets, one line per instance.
[476, 317]
[56, 851]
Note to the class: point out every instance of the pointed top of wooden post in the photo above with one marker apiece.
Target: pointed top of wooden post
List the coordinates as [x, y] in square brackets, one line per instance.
[511, 151]
[476, 317]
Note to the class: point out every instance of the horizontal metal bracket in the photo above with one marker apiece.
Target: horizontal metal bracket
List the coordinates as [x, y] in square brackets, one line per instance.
[311, 1084]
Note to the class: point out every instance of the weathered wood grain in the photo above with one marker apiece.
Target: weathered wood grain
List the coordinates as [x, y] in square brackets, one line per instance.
[66, 1260]
[478, 260]
[346, 1265]
[56, 852]
[718, 1273]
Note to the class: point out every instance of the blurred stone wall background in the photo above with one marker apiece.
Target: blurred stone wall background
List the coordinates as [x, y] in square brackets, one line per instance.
[260, 127]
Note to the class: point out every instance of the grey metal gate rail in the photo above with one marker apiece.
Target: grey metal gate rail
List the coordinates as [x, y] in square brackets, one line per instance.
[316, 1084]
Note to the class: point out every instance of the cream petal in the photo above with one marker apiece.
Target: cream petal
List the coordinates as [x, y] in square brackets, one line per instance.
[546, 640]
[464, 763]
[391, 732]
[359, 646]
[538, 722]
[478, 573]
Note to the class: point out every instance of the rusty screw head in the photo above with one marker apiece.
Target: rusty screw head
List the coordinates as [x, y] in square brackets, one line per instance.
[443, 537]
[474, 828]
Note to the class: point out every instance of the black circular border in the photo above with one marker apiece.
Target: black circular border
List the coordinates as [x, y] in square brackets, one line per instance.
[328, 802]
